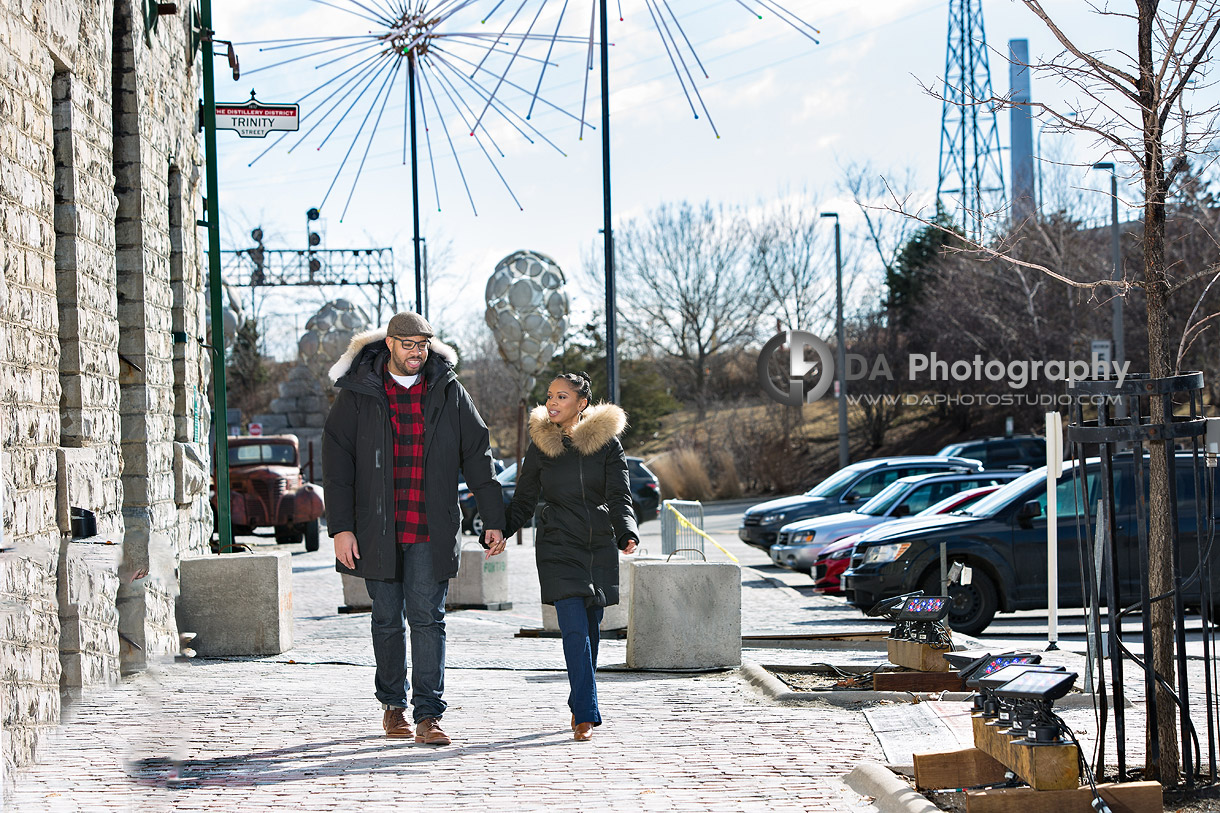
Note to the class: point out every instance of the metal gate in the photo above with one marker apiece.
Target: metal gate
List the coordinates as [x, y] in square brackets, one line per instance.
[679, 521]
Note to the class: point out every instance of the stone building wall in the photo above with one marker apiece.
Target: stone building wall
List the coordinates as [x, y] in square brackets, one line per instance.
[101, 357]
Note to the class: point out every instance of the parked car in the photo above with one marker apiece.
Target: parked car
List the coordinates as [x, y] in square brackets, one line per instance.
[834, 558]
[268, 489]
[799, 543]
[841, 491]
[1028, 451]
[645, 495]
[1002, 538]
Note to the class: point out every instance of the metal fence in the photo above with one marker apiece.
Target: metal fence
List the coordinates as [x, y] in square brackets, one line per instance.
[1115, 424]
[679, 519]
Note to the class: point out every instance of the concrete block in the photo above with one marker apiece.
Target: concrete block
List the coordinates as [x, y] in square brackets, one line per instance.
[684, 615]
[480, 583]
[237, 604]
[355, 595]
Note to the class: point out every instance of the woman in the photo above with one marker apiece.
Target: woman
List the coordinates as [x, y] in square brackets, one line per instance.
[575, 465]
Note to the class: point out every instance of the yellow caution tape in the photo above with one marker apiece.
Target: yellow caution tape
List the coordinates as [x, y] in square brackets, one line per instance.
[684, 521]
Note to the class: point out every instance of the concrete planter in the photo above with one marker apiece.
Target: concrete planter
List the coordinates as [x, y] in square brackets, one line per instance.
[355, 595]
[481, 584]
[684, 616]
[237, 603]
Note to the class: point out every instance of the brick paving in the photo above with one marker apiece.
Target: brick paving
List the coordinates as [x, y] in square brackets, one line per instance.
[301, 730]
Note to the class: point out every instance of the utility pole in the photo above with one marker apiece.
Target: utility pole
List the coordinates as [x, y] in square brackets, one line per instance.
[841, 333]
[612, 393]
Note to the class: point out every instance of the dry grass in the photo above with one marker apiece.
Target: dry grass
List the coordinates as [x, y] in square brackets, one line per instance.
[683, 475]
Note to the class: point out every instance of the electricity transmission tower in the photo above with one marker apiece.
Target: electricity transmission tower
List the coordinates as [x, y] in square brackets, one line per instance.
[971, 180]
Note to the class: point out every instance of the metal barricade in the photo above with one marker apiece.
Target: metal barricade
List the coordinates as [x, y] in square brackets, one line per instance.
[678, 537]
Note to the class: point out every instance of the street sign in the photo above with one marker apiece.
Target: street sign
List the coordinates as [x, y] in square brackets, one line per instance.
[254, 119]
[256, 429]
[1101, 350]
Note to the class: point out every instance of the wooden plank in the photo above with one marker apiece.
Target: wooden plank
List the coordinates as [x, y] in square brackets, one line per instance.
[964, 768]
[918, 682]
[1129, 797]
[1044, 767]
[918, 656]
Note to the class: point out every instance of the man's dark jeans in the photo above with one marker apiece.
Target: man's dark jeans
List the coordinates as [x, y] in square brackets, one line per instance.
[419, 599]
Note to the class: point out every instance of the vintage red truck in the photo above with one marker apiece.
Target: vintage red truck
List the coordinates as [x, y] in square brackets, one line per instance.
[269, 490]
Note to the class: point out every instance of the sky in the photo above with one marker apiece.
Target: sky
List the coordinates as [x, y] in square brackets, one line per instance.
[790, 115]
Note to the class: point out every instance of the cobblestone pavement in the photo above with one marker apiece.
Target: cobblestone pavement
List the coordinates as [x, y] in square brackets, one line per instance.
[301, 730]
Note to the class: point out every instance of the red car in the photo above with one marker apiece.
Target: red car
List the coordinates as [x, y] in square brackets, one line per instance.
[836, 556]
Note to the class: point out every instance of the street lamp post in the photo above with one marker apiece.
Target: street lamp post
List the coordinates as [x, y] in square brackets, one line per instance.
[841, 362]
[1116, 303]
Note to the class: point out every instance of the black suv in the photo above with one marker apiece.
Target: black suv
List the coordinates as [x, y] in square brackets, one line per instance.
[645, 495]
[842, 491]
[1002, 537]
[998, 453]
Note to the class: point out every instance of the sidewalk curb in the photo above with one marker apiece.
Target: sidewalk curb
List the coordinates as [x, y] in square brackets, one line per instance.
[890, 794]
[777, 690]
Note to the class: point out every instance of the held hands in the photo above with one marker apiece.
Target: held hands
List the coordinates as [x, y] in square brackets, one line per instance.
[346, 550]
[494, 542]
[632, 544]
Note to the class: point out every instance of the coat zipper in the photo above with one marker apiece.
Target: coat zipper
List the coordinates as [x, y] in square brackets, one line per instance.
[580, 466]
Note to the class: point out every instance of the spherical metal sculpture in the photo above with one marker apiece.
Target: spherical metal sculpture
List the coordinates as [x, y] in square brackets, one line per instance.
[527, 311]
[328, 333]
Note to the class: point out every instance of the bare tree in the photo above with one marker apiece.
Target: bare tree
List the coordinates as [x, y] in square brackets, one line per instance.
[1138, 105]
[792, 254]
[686, 289]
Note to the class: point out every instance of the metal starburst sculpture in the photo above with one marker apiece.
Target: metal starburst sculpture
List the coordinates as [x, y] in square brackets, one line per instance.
[453, 62]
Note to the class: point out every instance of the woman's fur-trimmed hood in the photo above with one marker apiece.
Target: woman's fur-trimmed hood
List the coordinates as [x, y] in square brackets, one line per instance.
[377, 336]
[598, 425]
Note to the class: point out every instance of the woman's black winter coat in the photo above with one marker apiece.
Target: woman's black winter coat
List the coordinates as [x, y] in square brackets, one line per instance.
[587, 516]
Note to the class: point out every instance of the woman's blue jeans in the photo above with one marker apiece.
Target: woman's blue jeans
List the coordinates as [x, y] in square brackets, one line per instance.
[578, 625]
[418, 599]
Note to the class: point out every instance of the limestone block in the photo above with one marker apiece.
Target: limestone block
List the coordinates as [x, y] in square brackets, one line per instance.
[684, 615]
[480, 583]
[78, 483]
[191, 475]
[237, 604]
[355, 594]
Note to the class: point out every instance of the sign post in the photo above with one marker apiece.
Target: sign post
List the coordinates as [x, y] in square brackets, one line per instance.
[1054, 468]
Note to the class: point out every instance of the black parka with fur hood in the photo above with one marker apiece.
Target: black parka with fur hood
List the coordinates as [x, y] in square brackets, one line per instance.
[358, 459]
[587, 516]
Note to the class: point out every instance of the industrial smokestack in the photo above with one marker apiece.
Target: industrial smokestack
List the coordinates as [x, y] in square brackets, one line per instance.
[1021, 132]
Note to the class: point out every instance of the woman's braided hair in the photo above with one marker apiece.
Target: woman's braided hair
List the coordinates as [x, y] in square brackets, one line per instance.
[579, 382]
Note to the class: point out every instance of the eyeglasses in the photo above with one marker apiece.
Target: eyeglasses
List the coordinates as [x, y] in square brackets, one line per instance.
[409, 345]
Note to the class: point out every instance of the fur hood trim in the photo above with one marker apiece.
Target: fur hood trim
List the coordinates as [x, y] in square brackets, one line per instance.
[362, 340]
[598, 425]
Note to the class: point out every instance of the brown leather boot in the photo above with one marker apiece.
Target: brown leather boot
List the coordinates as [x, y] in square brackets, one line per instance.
[430, 732]
[584, 732]
[395, 724]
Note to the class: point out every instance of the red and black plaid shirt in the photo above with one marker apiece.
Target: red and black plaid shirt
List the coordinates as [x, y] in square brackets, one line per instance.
[407, 421]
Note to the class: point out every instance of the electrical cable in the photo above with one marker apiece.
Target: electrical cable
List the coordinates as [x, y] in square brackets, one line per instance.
[1099, 804]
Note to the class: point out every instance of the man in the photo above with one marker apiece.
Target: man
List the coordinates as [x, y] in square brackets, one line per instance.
[401, 427]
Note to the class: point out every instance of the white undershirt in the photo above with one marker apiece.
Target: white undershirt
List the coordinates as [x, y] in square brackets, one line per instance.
[407, 381]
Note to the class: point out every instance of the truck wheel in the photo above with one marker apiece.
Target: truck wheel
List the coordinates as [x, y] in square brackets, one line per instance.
[971, 606]
[288, 534]
[311, 535]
